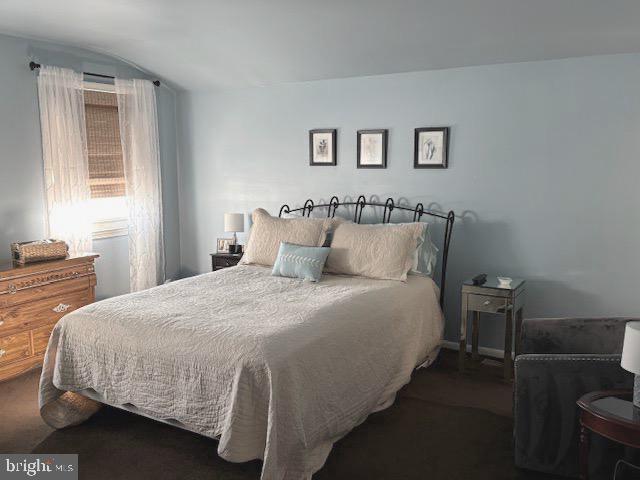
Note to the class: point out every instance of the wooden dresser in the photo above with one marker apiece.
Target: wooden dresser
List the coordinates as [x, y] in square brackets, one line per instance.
[33, 298]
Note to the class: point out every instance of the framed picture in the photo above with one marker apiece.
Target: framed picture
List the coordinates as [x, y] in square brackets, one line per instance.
[372, 148]
[223, 245]
[322, 147]
[431, 147]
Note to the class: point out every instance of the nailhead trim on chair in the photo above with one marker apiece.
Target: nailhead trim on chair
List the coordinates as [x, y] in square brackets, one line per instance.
[566, 358]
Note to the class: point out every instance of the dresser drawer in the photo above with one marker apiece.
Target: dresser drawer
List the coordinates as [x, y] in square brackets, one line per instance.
[35, 279]
[41, 339]
[14, 347]
[486, 303]
[15, 293]
[47, 311]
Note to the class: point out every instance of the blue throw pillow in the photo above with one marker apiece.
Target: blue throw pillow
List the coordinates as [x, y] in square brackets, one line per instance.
[297, 261]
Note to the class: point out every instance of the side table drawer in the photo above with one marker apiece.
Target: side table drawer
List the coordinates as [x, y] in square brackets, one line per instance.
[486, 303]
[224, 262]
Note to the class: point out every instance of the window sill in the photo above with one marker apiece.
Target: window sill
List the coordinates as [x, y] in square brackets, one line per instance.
[117, 227]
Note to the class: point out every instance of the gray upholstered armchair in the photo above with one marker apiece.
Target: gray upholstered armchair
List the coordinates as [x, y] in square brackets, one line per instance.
[560, 360]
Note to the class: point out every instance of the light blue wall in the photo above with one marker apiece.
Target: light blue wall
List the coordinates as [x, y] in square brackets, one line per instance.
[543, 176]
[21, 187]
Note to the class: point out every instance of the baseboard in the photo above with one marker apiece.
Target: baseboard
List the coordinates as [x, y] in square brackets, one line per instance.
[489, 352]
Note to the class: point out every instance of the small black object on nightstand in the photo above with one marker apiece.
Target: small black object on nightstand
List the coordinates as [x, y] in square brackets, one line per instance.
[479, 279]
[224, 260]
[235, 249]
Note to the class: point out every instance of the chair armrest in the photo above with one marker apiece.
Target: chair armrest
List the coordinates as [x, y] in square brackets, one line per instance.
[547, 387]
[573, 335]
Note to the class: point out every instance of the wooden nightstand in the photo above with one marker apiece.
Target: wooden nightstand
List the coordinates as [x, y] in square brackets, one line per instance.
[491, 297]
[609, 414]
[224, 260]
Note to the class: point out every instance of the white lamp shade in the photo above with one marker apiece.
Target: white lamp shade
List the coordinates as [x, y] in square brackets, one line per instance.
[631, 348]
[234, 222]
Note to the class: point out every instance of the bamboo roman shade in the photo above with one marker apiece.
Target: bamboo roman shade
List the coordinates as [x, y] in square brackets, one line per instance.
[106, 168]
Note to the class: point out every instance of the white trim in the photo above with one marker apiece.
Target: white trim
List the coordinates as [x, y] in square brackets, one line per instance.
[489, 352]
[114, 227]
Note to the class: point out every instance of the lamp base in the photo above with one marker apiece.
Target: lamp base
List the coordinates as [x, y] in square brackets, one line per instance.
[636, 391]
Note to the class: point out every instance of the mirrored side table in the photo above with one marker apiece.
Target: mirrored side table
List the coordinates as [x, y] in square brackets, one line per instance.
[491, 297]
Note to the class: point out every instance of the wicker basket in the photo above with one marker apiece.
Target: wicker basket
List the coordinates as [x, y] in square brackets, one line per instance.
[40, 250]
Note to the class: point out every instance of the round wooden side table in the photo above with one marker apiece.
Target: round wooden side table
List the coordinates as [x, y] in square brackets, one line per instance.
[611, 415]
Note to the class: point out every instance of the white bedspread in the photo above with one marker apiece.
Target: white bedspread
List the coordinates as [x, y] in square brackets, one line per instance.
[276, 368]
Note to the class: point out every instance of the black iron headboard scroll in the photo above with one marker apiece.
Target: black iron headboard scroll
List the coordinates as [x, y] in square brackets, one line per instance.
[389, 206]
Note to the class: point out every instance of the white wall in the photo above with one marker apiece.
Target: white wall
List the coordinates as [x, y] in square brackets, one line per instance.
[543, 169]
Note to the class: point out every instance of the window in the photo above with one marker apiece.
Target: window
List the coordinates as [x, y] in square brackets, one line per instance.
[106, 167]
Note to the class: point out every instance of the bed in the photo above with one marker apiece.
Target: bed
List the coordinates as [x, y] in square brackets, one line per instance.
[279, 370]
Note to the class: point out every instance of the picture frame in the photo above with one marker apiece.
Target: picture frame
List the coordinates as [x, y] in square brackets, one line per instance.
[323, 147]
[431, 147]
[372, 148]
[223, 245]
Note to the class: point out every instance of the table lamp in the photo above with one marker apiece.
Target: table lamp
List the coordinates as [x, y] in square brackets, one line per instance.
[631, 356]
[234, 222]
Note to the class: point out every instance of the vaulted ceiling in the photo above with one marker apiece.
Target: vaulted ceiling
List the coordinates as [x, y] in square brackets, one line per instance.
[209, 44]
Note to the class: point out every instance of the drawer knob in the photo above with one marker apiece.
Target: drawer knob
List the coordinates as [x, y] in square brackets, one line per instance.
[2, 352]
[63, 307]
[12, 289]
[487, 302]
[1, 322]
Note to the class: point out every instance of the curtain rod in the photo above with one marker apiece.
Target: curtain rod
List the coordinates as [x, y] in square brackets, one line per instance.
[34, 65]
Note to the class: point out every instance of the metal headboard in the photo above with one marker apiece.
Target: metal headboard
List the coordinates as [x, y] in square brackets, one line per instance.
[389, 206]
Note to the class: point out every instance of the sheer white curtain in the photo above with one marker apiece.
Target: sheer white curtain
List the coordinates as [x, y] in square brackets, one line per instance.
[64, 150]
[141, 152]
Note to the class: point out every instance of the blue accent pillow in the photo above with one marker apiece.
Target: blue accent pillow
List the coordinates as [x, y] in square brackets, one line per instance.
[297, 261]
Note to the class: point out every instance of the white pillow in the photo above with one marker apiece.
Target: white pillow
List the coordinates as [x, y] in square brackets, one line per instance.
[332, 224]
[268, 232]
[382, 251]
[425, 255]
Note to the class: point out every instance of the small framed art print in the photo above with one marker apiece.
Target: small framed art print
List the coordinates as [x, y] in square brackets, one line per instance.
[372, 148]
[431, 147]
[223, 245]
[322, 147]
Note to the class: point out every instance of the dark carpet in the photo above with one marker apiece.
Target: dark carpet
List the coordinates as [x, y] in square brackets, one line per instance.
[413, 439]
[442, 426]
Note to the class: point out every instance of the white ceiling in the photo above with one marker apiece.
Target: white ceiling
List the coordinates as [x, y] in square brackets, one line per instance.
[207, 44]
